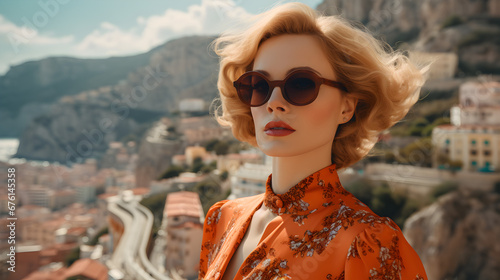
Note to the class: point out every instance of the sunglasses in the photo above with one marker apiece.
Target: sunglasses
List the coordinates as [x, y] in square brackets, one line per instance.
[299, 88]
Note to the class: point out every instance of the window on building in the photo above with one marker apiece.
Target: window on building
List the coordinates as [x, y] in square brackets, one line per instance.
[473, 152]
[473, 163]
[446, 151]
[487, 164]
[473, 142]
[486, 142]
[487, 153]
[447, 141]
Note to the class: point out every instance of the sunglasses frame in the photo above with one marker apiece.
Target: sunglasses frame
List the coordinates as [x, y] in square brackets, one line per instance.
[318, 81]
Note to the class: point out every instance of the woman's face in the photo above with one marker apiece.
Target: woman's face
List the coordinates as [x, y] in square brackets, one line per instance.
[282, 129]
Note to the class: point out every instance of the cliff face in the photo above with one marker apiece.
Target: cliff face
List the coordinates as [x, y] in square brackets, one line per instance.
[70, 133]
[457, 237]
[28, 89]
[182, 68]
[470, 28]
[382, 15]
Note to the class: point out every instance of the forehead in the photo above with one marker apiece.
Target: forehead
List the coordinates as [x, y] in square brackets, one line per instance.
[279, 54]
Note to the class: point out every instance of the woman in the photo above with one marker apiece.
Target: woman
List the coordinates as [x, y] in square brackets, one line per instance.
[313, 93]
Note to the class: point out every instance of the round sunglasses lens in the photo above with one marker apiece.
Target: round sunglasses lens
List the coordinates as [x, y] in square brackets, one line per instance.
[301, 88]
[253, 90]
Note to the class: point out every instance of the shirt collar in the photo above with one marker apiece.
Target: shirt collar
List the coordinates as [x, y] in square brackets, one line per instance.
[315, 191]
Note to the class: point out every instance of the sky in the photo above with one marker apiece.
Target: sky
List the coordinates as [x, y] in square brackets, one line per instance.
[32, 30]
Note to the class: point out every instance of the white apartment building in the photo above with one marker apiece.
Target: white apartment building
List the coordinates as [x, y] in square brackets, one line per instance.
[250, 179]
[474, 134]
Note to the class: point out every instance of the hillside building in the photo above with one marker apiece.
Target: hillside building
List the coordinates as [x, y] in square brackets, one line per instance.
[183, 222]
[473, 137]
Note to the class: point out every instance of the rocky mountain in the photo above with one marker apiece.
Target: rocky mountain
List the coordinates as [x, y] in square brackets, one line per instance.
[457, 236]
[470, 28]
[80, 126]
[27, 90]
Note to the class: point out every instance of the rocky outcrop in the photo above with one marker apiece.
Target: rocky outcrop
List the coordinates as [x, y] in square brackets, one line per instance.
[183, 68]
[155, 154]
[457, 236]
[470, 28]
[29, 84]
[69, 133]
[407, 14]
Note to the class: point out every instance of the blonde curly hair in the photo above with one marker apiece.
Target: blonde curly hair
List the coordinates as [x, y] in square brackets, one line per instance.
[385, 83]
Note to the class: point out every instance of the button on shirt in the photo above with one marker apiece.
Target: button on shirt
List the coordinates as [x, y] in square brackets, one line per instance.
[321, 232]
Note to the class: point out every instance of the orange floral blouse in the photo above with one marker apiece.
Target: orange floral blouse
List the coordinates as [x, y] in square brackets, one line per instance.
[321, 232]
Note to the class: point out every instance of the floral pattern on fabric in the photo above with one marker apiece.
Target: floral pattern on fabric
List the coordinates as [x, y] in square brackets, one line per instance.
[264, 265]
[340, 277]
[321, 232]
[389, 258]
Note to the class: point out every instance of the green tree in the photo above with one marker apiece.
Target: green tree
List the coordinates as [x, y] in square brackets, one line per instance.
[95, 239]
[450, 21]
[411, 206]
[156, 204]
[417, 153]
[442, 189]
[496, 187]
[197, 165]
[362, 189]
[387, 203]
[172, 171]
[73, 256]
[224, 175]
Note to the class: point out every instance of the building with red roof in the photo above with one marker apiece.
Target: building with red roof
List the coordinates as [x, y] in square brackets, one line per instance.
[183, 224]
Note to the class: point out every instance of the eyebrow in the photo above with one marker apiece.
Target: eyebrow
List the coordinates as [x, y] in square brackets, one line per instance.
[265, 73]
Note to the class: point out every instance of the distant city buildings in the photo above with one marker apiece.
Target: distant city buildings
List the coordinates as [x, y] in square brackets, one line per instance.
[197, 130]
[191, 153]
[232, 162]
[250, 179]
[473, 138]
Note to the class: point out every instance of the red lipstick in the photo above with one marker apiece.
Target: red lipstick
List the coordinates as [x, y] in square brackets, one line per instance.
[278, 128]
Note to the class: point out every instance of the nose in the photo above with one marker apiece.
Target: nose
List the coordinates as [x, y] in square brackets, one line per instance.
[277, 102]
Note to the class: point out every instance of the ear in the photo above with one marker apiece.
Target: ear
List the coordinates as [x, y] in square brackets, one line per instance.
[349, 103]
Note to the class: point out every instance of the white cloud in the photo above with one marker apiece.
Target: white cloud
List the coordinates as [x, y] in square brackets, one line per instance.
[209, 17]
[22, 43]
[18, 36]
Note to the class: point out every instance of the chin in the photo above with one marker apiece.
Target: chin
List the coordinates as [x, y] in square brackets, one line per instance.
[277, 150]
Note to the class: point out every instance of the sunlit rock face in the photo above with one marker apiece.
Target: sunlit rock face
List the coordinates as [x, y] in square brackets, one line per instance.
[457, 237]
[468, 28]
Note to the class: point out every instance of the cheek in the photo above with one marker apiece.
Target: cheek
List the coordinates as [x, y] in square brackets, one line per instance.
[322, 115]
[257, 115]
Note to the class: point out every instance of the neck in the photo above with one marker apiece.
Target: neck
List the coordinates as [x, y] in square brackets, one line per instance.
[289, 171]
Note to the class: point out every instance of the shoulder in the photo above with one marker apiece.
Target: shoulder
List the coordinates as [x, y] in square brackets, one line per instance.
[382, 250]
[239, 203]
[226, 209]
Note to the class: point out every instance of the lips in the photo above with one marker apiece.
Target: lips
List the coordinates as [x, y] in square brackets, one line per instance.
[278, 128]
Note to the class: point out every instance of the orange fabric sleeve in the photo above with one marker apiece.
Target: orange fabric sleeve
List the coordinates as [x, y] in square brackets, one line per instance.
[209, 232]
[382, 252]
